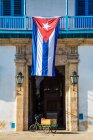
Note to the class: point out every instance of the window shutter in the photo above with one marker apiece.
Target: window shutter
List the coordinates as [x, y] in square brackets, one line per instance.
[90, 7]
[6, 7]
[0, 7]
[17, 7]
[80, 7]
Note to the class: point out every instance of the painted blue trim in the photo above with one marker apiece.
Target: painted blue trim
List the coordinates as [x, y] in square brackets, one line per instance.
[75, 31]
[66, 14]
[66, 7]
[60, 32]
[16, 32]
[60, 17]
[34, 48]
[15, 17]
[0, 7]
[81, 116]
[66, 22]
[24, 7]
[77, 16]
[25, 23]
[22, 13]
[76, 6]
[13, 125]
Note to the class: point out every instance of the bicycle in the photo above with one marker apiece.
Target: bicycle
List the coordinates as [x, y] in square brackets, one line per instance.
[45, 127]
[36, 125]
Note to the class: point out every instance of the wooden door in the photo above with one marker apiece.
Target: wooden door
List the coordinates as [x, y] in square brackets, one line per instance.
[52, 97]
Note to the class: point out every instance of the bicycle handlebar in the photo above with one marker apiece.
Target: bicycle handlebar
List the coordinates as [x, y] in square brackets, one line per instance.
[38, 116]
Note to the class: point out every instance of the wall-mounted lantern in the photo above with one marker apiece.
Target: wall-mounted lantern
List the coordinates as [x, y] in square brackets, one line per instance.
[20, 79]
[74, 78]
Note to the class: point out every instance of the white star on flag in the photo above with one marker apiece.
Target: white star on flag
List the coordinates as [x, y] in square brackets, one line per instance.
[46, 26]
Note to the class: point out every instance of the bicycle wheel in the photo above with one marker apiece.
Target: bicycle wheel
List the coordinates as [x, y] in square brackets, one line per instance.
[32, 128]
[46, 129]
[40, 127]
[53, 129]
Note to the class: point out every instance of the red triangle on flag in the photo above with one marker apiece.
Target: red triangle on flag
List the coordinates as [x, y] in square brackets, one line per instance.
[46, 26]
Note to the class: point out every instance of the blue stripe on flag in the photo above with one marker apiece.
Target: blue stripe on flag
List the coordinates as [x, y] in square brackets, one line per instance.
[55, 44]
[45, 59]
[51, 52]
[34, 48]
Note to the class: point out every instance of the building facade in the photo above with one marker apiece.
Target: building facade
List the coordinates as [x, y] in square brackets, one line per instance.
[52, 97]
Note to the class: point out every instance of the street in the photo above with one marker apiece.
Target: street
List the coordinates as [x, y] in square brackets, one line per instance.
[60, 135]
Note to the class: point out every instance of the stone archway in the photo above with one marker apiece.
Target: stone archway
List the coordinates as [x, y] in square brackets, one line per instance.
[67, 55]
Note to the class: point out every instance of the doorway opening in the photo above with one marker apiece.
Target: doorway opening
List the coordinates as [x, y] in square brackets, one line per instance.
[47, 97]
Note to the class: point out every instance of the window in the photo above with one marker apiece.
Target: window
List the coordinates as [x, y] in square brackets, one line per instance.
[11, 7]
[80, 7]
[6, 7]
[84, 7]
[90, 7]
[17, 7]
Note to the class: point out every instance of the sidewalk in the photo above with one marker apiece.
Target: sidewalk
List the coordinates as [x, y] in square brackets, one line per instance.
[60, 135]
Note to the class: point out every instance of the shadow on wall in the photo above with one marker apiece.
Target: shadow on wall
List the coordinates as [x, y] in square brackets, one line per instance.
[87, 123]
[85, 86]
[7, 73]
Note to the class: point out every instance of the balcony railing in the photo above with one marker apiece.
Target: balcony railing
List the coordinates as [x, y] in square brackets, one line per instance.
[15, 23]
[76, 23]
[69, 23]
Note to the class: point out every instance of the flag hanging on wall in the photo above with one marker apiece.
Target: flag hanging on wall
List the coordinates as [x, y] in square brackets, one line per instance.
[44, 40]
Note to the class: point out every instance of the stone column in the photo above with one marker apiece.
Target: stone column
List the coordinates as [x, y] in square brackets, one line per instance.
[20, 95]
[71, 91]
[67, 97]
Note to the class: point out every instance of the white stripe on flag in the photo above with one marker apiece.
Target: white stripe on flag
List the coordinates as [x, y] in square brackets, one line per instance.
[51, 53]
[39, 53]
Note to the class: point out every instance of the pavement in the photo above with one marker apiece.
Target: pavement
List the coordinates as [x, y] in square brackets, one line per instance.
[40, 135]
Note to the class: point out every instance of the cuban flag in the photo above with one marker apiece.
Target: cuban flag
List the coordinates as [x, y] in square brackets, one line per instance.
[44, 40]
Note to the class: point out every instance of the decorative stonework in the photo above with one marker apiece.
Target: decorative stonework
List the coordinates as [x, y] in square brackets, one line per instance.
[66, 55]
[64, 42]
